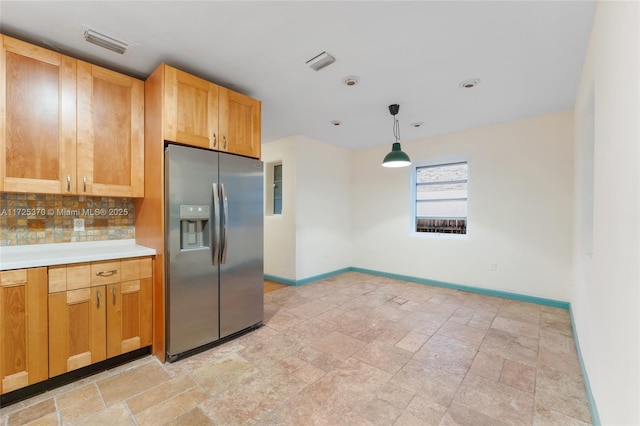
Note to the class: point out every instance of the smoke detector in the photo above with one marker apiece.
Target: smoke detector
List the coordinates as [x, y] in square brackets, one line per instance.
[351, 80]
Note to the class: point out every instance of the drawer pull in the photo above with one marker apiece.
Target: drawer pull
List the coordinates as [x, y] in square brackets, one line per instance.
[107, 273]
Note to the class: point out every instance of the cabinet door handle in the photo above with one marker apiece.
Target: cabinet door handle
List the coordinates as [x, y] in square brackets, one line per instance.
[215, 140]
[98, 297]
[113, 291]
[107, 273]
[84, 180]
[68, 183]
[224, 140]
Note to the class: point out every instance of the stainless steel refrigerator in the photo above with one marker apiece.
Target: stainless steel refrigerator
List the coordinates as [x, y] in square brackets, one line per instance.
[214, 247]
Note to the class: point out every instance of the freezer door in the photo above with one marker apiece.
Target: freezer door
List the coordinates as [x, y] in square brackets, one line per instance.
[192, 273]
[241, 254]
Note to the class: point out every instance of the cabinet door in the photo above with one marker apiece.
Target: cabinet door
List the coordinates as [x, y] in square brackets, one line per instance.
[23, 328]
[77, 329]
[190, 109]
[239, 123]
[128, 316]
[110, 133]
[37, 119]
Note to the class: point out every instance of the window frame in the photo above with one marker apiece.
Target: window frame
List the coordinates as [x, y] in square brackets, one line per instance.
[269, 179]
[413, 198]
[273, 189]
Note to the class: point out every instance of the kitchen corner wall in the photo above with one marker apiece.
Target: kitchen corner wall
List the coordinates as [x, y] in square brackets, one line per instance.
[42, 219]
[312, 236]
[606, 294]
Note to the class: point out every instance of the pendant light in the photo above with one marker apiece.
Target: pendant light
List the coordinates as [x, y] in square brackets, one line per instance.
[396, 158]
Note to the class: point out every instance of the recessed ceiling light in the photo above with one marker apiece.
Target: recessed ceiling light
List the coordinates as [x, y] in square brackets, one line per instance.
[417, 124]
[470, 83]
[336, 122]
[352, 80]
[320, 61]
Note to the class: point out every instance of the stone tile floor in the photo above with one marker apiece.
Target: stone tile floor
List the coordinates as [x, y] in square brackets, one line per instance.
[353, 349]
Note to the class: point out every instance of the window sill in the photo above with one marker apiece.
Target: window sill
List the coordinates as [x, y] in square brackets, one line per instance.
[439, 236]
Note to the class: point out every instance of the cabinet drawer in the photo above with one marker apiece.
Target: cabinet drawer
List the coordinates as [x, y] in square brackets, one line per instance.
[83, 275]
[105, 272]
[69, 277]
[13, 278]
[133, 269]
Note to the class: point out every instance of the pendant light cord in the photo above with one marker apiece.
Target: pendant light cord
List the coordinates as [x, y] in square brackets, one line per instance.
[396, 128]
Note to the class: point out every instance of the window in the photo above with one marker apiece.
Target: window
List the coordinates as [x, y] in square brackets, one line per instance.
[277, 189]
[273, 189]
[441, 198]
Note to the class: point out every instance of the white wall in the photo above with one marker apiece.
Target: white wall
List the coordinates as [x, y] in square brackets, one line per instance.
[280, 230]
[520, 209]
[605, 300]
[323, 206]
[312, 236]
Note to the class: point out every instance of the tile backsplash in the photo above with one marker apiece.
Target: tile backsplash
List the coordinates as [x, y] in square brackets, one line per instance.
[42, 218]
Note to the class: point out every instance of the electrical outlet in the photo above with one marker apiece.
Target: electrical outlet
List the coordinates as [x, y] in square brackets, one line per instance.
[78, 224]
[494, 266]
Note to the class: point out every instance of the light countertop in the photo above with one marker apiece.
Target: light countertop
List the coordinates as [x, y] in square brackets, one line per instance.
[35, 255]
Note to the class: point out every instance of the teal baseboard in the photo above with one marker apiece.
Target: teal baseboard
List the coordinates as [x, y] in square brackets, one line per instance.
[306, 280]
[435, 283]
[279, 280]
[595, 416]
[488, 292]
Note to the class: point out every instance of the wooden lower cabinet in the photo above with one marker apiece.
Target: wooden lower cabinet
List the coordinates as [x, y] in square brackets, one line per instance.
[77, 329]
[23, 328]
[128, 316]
[109, 316]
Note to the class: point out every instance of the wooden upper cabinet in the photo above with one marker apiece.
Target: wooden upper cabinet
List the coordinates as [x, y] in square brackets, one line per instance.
[190, 109]
[239, 121]
[200, 113]
[23, 328]
[37, 119]
[110, 146]
[68, 127]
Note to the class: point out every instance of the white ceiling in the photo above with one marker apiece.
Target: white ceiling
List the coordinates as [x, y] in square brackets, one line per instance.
[528, 56]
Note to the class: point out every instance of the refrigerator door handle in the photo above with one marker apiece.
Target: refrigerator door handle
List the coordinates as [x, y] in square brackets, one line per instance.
[215, 227]
[223, 224]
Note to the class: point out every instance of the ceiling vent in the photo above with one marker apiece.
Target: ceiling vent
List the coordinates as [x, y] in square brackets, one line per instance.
[105, 41]
[320, 61]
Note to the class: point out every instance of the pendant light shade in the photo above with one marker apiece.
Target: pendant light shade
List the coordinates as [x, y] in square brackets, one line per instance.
[396, 158]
